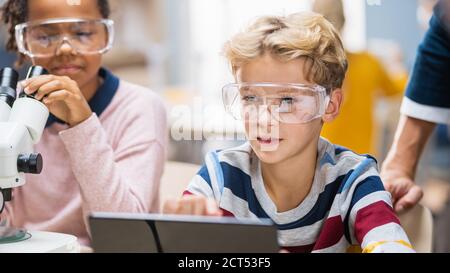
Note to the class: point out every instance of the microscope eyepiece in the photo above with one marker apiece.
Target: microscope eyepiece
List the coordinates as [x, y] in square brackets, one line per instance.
[34, 71]
[8, 83]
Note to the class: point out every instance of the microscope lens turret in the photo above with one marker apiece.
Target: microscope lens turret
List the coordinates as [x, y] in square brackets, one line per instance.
[29, 111]
[8, 83]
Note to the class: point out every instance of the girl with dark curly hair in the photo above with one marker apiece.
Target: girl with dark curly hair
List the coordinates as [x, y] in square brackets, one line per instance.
[104, 143]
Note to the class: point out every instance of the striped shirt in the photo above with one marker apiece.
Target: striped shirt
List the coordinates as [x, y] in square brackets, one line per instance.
[347, 208]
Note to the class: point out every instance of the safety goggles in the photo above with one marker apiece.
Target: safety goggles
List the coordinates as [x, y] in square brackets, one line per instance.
[287, 103]
[44, 38]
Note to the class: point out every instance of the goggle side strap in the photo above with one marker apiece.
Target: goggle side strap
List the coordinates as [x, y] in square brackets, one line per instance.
[325, 105]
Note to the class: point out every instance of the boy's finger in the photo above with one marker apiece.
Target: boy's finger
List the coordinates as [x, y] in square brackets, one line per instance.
[170, 206]
[212, 209]
[185, 206]
[199, 206]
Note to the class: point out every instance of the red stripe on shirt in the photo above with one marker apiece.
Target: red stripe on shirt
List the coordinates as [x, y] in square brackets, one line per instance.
[372, 216]
[332, 231]
[299, 249]
[226, 213]
[187, 193]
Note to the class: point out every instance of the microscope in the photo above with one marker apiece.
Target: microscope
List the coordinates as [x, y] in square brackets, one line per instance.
[22, 121]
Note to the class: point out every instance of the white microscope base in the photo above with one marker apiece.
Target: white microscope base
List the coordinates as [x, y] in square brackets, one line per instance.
[44, 242]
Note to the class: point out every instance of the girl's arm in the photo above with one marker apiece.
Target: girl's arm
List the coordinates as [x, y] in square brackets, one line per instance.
[123, 174]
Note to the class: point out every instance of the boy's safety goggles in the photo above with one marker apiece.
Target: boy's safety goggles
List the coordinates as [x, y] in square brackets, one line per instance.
[44, 38]
[287, 103]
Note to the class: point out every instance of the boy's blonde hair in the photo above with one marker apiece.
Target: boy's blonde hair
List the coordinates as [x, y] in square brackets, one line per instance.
[305, 35]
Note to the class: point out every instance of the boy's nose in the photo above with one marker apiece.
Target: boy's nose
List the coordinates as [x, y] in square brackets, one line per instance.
[266, 116]
[261, 122]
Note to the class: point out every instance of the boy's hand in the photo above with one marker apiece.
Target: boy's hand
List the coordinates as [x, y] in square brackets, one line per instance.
[192, 205]
[62, 97]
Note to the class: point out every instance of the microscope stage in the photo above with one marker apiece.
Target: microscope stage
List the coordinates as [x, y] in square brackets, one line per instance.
[43, 242]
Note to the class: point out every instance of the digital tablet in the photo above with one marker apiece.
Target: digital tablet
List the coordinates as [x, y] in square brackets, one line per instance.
[157, 233]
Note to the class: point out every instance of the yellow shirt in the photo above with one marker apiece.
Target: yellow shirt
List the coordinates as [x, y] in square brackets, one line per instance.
[366, 80]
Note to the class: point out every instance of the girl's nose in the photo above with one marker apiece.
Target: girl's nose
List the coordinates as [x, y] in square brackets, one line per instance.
[65, 48]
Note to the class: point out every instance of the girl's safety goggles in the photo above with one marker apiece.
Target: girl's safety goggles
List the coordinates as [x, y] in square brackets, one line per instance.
[44, 38]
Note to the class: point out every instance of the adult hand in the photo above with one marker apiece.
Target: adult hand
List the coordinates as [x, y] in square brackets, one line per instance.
[405, 193]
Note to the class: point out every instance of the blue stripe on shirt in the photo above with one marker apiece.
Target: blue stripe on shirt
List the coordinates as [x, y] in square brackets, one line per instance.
[218, 170]
[239, 183]
[339, 149]
[203, 173]
[320, 208]
[359, 170]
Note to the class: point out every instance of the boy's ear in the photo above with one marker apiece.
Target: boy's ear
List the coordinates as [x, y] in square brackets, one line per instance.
[334, 105]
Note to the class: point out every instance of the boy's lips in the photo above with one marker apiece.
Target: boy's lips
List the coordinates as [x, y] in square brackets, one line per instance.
[268, 140]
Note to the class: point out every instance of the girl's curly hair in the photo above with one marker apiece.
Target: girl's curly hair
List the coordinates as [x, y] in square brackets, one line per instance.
[15, 12]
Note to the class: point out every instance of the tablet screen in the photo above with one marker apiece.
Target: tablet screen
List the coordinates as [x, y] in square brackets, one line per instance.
[155, 233]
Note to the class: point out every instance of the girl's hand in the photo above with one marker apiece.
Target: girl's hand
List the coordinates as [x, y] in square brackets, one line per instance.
[192, 205]
[62, 97]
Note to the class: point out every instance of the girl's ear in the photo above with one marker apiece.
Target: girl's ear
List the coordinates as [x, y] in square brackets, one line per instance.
[334, 105]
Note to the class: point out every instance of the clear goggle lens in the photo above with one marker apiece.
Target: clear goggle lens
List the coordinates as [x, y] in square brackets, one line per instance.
[287, 103]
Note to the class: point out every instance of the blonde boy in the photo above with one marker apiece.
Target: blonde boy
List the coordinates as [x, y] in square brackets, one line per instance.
[322, 197]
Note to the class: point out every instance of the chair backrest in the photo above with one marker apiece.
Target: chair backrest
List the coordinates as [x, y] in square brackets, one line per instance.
[175, 179]
[418, 225]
